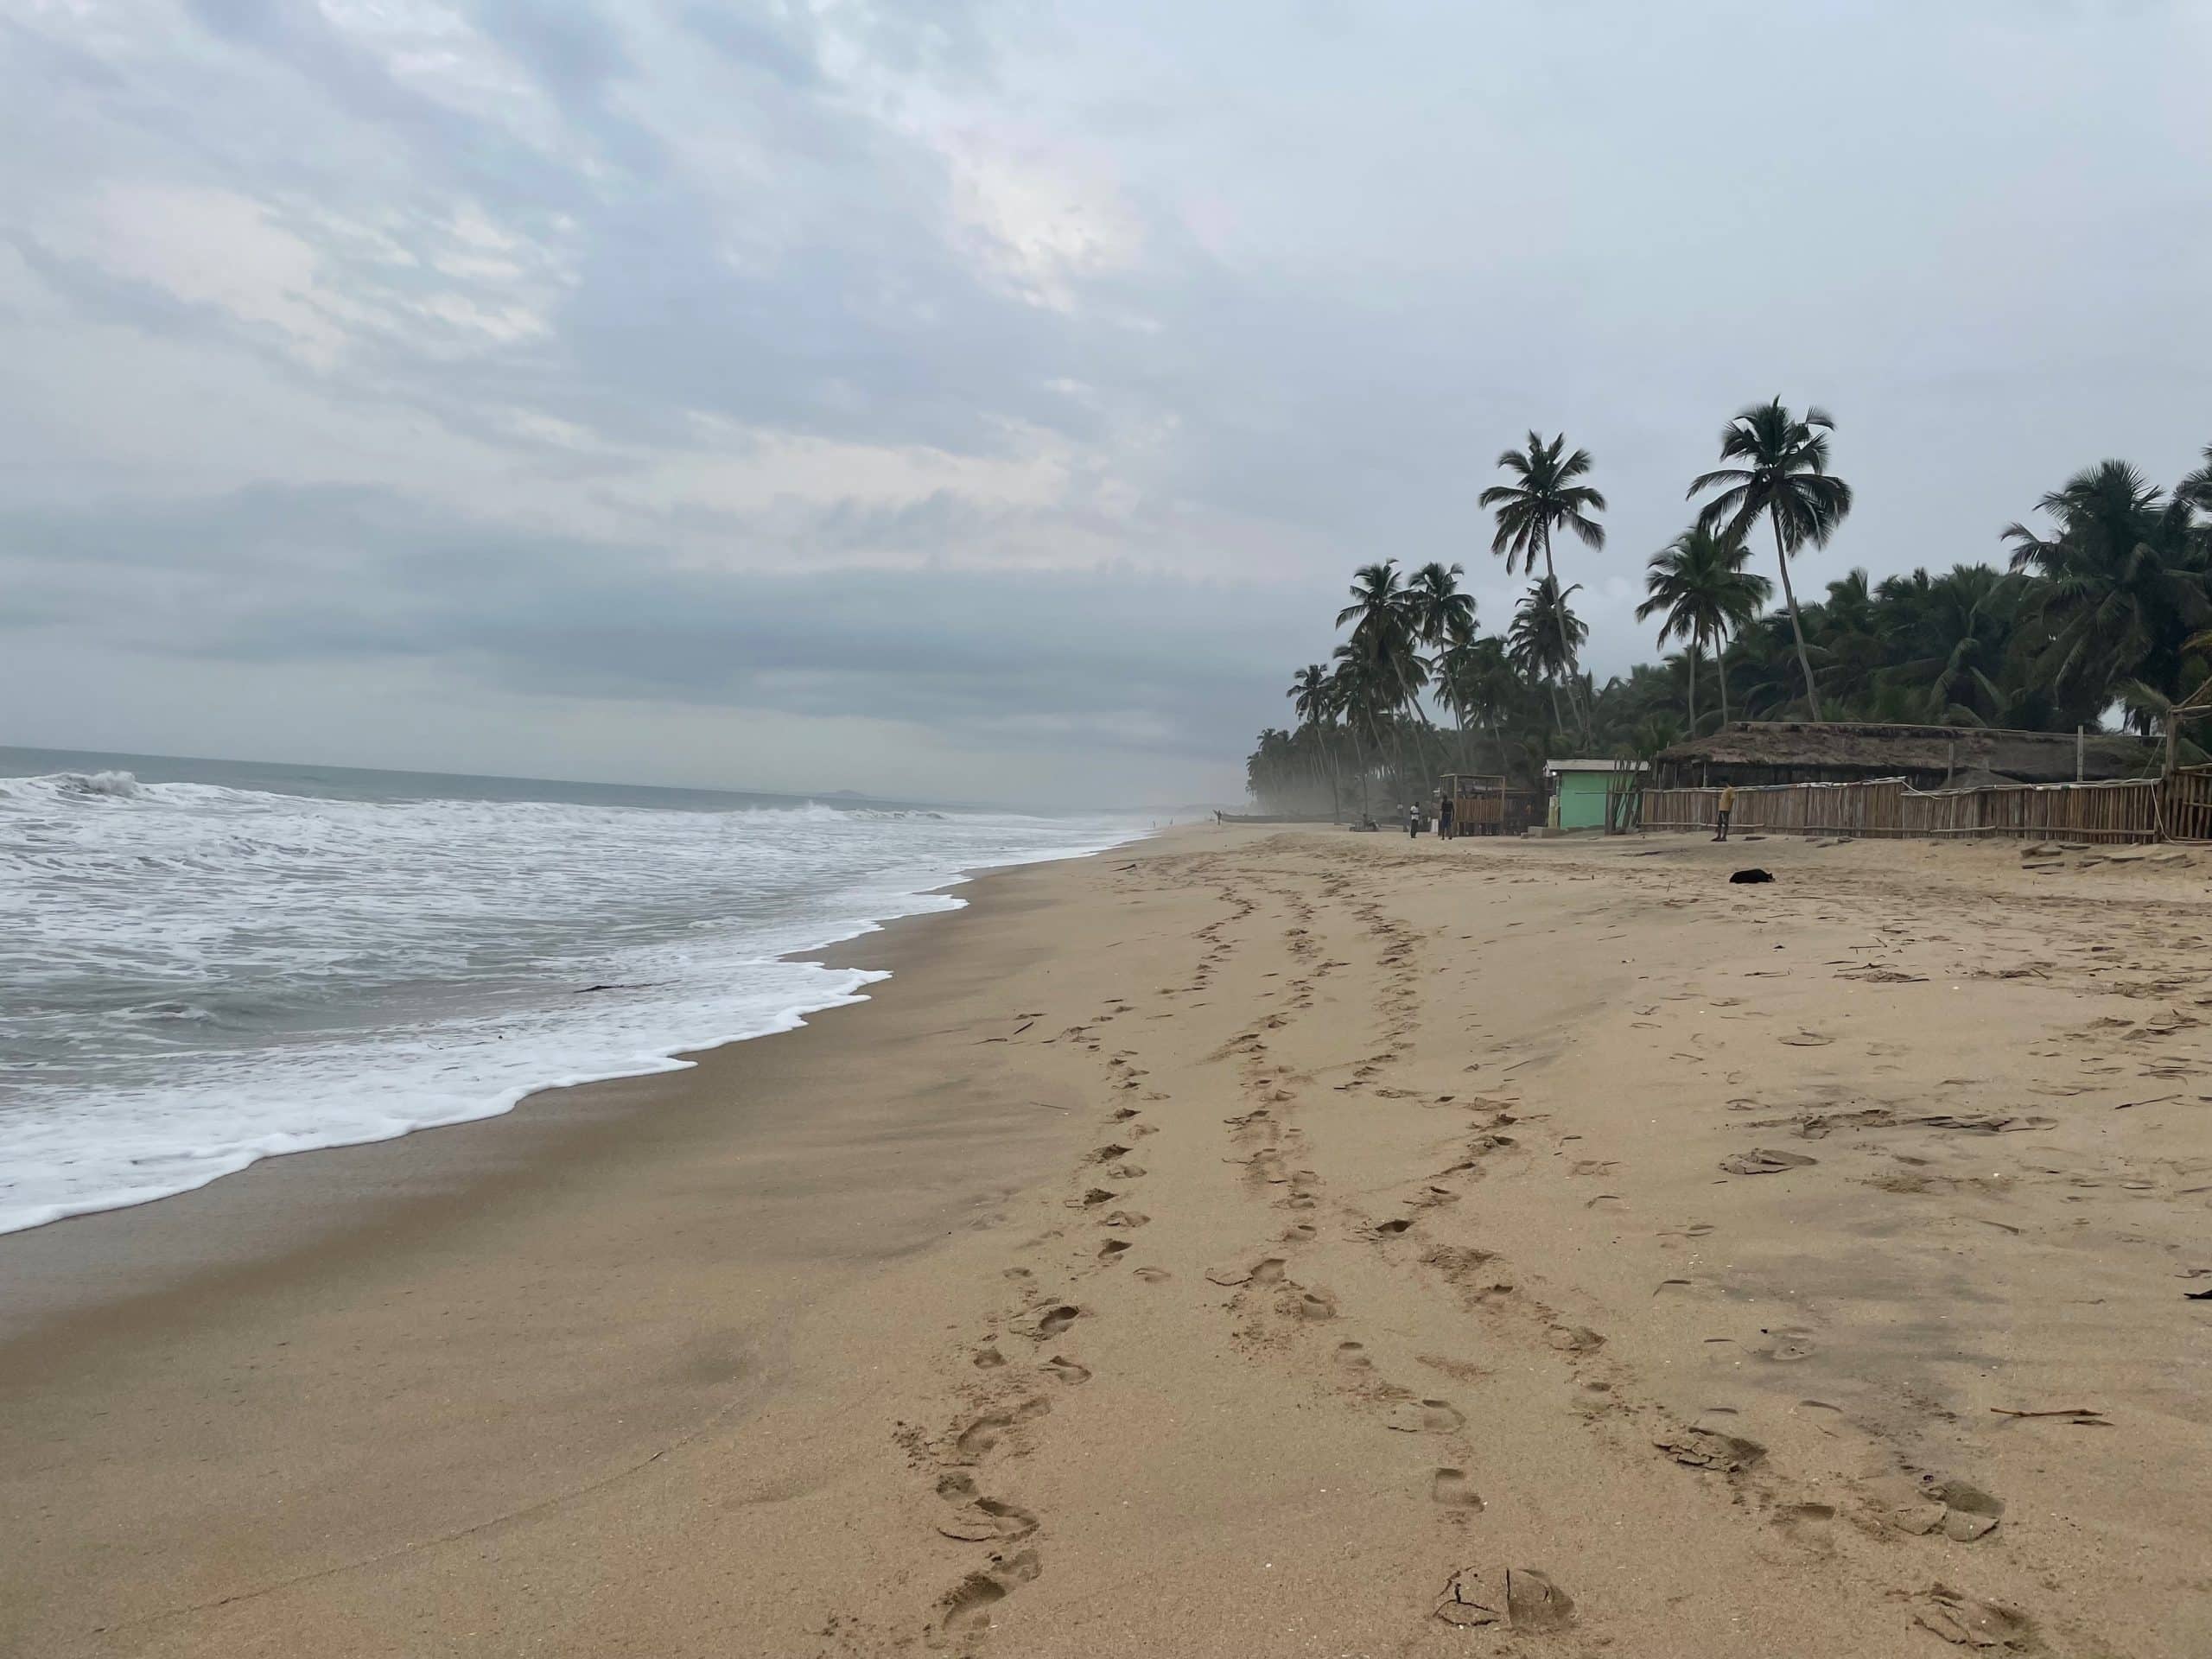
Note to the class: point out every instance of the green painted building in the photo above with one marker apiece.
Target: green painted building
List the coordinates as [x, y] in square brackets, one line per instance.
[1579, 789]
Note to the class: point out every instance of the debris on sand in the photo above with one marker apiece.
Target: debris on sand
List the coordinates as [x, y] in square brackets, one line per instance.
[1745, 878]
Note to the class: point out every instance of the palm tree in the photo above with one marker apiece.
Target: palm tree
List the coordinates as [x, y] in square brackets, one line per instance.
[1699, 587]
[1954, 632]
[1441, 612]
[2123, 585]
[1785, 476]
[1546, 498]
[2197, 487]
[1385, 628]
[1853, 642]
[1544, 635]
[1355, 695]
[1313, 698]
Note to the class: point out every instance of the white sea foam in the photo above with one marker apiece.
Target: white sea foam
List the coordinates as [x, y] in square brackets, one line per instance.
[194, 977]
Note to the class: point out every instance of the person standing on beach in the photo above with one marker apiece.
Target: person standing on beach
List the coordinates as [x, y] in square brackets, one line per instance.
[1413, 822]
[1443, 819]
[1727, 806]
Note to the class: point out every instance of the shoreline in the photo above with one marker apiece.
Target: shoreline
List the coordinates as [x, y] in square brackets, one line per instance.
[657, 1060]
[67, 1272]
[1266, 1242]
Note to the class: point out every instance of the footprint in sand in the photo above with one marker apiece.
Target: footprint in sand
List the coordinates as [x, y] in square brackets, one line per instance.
[988, 1359]
[1392, 1229]
[1266, 1271]
[967, 1610]
[1521, 1599]
[1705, 1448]
[1314, 1305]
[1112, 1247]
[1128, 1218]
[1068, 1371]
[1968, 1622]
[1126, 1171]
[1452, 1488]
[1961, 1512]
[983, 1434]
[1808, 1524]
[1154, 1276]
[977, 1519]
[1785, 1345]
[1425, 1417]
[1057, 1320]
[1352, 1356]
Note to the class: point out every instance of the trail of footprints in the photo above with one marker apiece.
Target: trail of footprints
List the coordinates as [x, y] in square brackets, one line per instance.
[1277, 1315]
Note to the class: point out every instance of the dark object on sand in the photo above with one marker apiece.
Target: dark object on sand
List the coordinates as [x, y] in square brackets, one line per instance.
[2197, 1295]
[1744, 878]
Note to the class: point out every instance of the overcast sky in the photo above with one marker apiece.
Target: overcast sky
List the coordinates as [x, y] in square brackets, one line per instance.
[991, 400]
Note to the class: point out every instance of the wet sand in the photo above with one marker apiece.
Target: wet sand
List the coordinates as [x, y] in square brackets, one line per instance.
[1253, 1243]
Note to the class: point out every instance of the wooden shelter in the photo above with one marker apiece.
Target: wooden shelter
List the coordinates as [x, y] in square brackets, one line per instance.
[1753, 754]
[1483, 805]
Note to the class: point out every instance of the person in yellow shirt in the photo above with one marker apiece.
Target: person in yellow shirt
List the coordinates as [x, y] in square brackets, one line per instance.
[1727, 805]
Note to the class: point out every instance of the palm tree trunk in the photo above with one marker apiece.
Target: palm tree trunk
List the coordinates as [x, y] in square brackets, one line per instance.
[1797, 628]
[1336, 792]
[1720, 673]
[1565, 646]
[1694, 643]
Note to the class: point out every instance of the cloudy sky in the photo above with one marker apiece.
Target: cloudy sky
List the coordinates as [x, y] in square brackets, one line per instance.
[990, 400]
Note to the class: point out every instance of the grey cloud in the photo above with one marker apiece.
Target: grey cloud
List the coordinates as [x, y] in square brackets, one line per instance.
[776, 49]
[302, 577]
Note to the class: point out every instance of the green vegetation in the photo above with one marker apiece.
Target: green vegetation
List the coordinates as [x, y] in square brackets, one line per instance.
[2104, 607]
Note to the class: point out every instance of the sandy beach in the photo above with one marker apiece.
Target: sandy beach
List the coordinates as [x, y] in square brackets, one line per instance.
[1256, 1242]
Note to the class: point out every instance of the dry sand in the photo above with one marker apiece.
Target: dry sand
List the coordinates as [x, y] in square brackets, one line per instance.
[1283, 1243]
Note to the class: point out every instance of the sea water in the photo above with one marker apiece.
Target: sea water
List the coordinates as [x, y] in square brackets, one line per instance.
[205, 963]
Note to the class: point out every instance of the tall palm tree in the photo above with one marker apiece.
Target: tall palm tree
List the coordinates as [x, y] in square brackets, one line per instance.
[2122, 586]
[1699, 588]
[1784, 475]
[1356, 694]
[1541, 641]
[1384, 616]
[1313, 698]
[1441, 612]
[1546, 498]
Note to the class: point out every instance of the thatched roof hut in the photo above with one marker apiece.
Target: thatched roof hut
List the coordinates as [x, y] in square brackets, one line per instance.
[1927, 757]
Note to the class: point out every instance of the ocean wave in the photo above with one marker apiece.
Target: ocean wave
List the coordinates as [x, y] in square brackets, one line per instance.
[194, 975]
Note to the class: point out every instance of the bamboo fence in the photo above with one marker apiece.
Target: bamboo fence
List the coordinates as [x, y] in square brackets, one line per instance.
[2178, 808]
[2189, 804]
[1870, 809]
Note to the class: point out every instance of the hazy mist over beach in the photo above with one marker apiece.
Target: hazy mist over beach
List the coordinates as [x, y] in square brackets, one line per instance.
[987, 400]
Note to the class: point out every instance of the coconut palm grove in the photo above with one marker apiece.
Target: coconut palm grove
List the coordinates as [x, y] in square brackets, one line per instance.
[2100, 612]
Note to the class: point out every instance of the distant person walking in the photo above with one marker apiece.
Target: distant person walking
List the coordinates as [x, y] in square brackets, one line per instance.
[1443, 819]
[1727, 806]
[1413, 822]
